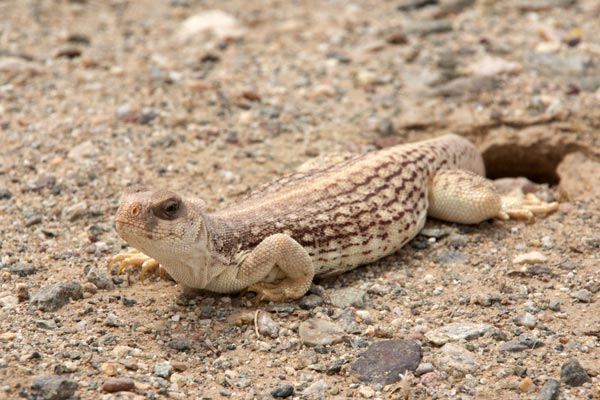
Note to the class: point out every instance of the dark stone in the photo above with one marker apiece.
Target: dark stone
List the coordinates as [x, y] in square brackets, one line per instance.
[549, 391]
[22, 269]
[128, 302]
[384, 361]
[311, 301]
[573, 374]
[100, 278]
[53, 387]
[409, 5]
[283, 391]
[446, 257]
[53, 297]
[180, 344]
[5, 194]
[512, 347]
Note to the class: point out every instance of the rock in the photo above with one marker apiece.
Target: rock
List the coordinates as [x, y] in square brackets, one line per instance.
[554, 305]
[318, 386]
[430, 379]
[46, 324]
[384, 361]
[76, 211]
[180, 344]
[573, 374]
[5, 194]
[549, 391]
[583, 295]
[533, 257]
[511, 347]
[22, 292]
[437, 233]
[112, 320]
[347, 297]
[450, 257]
[112, 385]
[53, 297]
[552, 64]
[526, 385]
[11, 67]
[408, 5]
[579, 176]
[310, 301]
[320, 332]
[22, 269]
[458, 331]
[527, 320]
[456, 361]
[490, 66]
[100, 278]
[542, 5]
[457, 241]
[283, 391]
[163, 369]
[83, 151]
[428, 27]
[266, 326]
[222, 25]
[53, 387]
[468, 86]
[9, 302]
[423, 368]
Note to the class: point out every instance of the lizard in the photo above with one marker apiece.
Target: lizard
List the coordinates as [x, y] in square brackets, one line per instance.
[320, 222]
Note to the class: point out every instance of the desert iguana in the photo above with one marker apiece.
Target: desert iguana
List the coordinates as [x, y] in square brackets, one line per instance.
[320, 222]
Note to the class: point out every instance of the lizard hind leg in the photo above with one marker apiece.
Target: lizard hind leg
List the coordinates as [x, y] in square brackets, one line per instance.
[283, 252]
[467, 198]
[463, 197]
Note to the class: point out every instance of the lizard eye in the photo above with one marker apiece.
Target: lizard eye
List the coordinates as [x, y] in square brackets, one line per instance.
[168, 209]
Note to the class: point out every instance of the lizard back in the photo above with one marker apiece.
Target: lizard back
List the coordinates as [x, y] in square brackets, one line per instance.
[349, 213]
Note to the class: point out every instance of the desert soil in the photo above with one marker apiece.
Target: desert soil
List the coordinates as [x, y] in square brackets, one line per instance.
[98, 96]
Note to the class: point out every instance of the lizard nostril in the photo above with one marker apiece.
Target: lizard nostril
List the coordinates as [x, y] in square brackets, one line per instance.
[135, 210]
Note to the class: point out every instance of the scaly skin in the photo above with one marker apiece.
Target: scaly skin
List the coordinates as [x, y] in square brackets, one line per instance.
[319, 222]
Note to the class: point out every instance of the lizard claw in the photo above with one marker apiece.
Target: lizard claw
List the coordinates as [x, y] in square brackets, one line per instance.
[515, 205]
[280, 291]
[135, 258]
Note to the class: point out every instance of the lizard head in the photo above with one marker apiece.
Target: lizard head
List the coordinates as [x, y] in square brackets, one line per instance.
[166, 227]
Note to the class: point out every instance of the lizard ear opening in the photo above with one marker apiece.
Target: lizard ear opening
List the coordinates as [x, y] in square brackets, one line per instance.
[169, 209]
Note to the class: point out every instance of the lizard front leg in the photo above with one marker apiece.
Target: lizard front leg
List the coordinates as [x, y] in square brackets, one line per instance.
[281, 251]
[276, 255]
[136, 258]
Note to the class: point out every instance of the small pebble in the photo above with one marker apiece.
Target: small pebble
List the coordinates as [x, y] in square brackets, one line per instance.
[583, 295]
[549, 391]
[113, 385]
[283, 391]
[320, 332]
[526, 385]
[266, 326]
[163, 370]
[347, 297]
[534, 257]
[53, 387]
[573, 374]
[53, 297]
[527, 320]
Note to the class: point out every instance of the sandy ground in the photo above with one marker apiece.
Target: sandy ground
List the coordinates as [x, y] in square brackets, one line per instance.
[98, 96]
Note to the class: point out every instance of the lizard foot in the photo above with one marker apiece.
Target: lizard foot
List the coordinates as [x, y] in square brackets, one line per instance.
[136, 258]
[279, 291]
[516, 205]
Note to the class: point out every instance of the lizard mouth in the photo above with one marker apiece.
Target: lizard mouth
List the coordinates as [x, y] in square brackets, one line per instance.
[150, 234]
